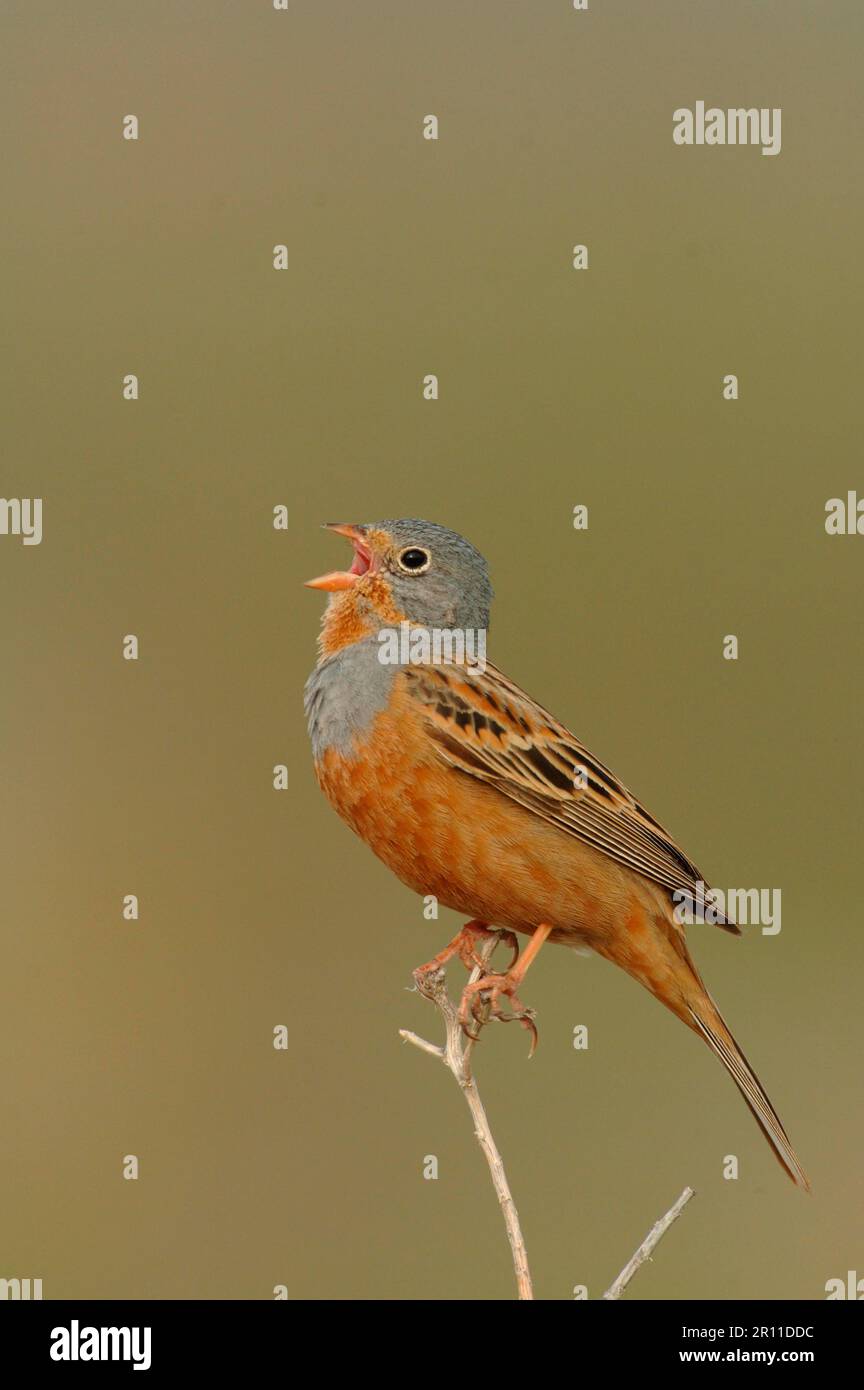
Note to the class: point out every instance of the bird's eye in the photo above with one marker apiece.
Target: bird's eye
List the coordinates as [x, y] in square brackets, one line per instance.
[414, 560]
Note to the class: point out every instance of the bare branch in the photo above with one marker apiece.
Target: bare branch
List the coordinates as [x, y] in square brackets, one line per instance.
[456, 1056]
[654, 1236]
[432, 1048]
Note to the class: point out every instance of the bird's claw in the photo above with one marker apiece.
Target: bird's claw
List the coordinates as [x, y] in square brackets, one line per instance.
[464, 945]
[481, 1002]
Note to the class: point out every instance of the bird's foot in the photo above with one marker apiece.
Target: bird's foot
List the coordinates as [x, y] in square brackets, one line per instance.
[481, 1001]
[464, 945]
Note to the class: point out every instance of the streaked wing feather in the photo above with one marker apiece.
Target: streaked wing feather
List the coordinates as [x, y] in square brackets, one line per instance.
[485, 726]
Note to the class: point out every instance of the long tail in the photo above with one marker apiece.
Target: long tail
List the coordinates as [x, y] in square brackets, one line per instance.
[708, 1021]
[658, 958]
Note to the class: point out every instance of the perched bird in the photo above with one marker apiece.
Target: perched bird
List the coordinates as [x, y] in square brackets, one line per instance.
[469, 790]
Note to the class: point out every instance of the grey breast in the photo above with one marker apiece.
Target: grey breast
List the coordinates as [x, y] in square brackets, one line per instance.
[344, 693]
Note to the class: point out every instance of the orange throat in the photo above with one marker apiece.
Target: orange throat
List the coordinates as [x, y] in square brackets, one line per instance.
[356, 613]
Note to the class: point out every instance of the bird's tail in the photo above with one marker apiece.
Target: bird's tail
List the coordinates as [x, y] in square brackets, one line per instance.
[659, 960]
[706, 1019]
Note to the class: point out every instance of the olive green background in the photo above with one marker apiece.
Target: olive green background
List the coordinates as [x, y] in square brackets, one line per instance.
[259, 908]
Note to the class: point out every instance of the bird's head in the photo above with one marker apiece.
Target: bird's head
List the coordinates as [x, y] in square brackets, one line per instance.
[404, 570]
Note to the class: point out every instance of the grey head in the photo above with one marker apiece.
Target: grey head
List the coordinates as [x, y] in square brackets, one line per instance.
[432, 575]
[437, 578]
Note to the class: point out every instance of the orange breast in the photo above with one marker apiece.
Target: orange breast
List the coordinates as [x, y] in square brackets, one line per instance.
[445, 833]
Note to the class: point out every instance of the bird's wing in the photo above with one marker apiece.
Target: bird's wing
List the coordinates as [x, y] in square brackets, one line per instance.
[485, 726]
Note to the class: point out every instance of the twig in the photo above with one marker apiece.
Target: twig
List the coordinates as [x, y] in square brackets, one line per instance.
[654, 1236]
[456, 1055]
[432, 1048]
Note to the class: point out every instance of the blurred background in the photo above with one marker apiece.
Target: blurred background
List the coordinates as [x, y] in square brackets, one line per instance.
[304, 1167]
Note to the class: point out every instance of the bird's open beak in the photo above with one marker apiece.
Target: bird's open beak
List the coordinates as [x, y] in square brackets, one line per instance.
[363, 560]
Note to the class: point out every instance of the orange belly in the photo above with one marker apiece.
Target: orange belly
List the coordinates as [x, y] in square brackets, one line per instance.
[444, 833]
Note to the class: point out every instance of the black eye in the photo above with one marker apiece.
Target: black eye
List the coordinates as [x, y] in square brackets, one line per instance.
[414, 559]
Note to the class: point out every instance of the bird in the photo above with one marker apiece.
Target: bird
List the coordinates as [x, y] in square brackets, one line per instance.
[469, 790]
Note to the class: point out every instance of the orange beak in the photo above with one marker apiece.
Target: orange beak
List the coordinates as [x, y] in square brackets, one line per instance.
[363, 560]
